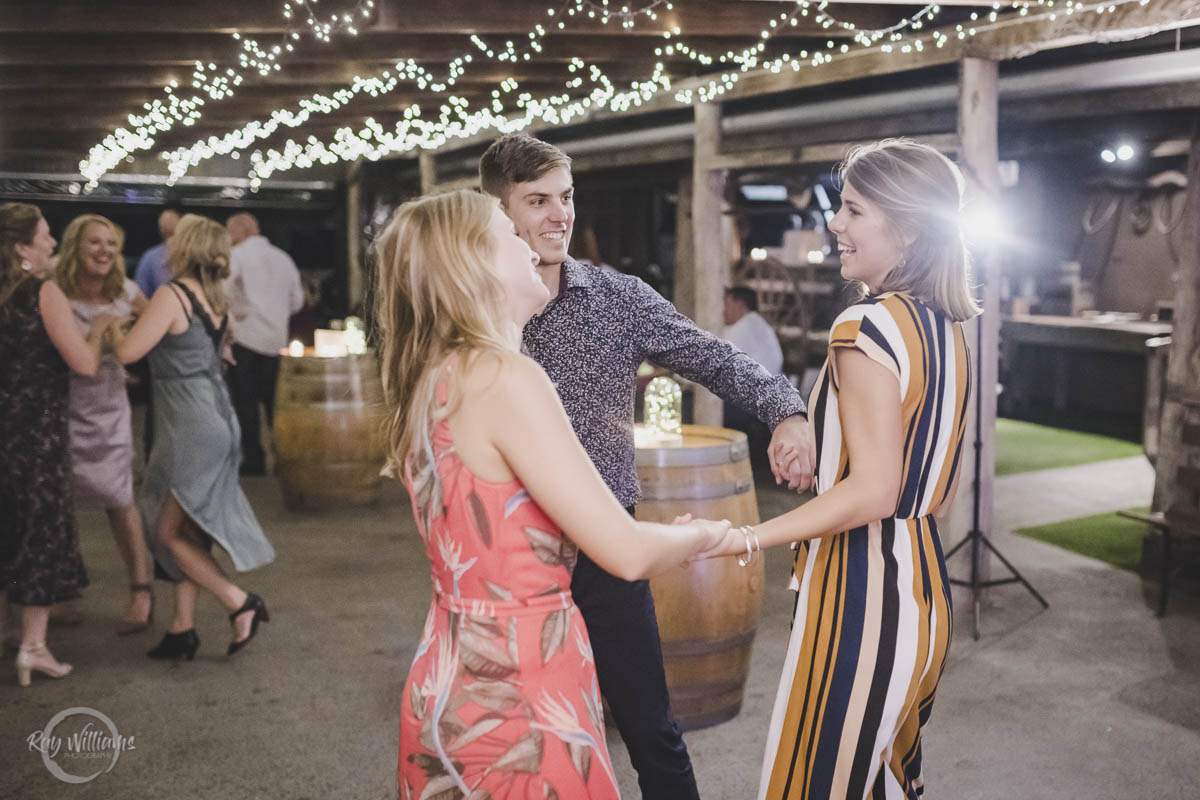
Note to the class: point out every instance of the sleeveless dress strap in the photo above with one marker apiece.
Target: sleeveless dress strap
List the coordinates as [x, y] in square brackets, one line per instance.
[214, 333]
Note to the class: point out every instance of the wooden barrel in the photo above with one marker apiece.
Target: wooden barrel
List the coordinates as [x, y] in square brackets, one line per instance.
[328, 437]
[707, 613]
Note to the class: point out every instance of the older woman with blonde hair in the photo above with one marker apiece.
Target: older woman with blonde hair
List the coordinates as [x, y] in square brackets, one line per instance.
[502, 697]
[40, 344]
[91, 273]
[190, 497]
[873, 617]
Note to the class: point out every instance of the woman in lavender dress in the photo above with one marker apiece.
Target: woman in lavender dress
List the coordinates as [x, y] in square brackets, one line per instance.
[91, 274]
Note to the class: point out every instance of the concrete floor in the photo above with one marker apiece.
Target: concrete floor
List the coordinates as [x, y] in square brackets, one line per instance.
[1093, 698]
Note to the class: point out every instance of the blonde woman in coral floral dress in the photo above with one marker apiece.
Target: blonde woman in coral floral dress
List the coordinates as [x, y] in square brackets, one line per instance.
[501, 700]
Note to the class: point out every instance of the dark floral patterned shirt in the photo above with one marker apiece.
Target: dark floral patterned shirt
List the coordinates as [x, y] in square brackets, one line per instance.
[594, 335]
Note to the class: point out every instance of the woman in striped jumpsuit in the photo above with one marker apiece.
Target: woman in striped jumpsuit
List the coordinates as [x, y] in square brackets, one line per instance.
[873, 618]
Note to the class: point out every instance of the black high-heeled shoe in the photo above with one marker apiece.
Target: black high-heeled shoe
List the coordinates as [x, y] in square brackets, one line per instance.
[176, 646]
[253, 603]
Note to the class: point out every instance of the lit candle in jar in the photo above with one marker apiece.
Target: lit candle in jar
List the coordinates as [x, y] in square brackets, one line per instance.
[330, 343]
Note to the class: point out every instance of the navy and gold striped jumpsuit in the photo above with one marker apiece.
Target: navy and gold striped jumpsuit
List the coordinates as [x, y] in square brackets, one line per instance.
[873, 615]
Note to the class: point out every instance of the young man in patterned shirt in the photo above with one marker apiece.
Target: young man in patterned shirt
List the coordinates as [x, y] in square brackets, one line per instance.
[595, 332]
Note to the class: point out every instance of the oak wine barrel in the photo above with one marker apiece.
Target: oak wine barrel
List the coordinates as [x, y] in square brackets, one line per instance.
[328, 437]
[707, 613]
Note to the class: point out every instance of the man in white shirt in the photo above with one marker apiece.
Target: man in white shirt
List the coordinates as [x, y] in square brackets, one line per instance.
[264, 291]
[746, 330]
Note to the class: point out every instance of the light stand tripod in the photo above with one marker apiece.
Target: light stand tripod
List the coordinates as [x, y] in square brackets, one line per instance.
[976, 537]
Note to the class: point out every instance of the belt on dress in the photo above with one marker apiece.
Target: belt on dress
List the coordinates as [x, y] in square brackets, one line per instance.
[487, 607]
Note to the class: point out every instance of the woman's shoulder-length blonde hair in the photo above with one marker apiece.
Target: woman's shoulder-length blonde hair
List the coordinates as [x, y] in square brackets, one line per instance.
[200, 249]
[436, 295]
[920, 191]
[66, 274]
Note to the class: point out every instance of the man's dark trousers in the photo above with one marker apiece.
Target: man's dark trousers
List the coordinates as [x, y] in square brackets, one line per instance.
[624, 633]
[251, 383]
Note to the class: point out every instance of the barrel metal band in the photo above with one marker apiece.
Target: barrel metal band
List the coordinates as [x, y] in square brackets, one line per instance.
[691, 648]
[710, 490]
[724, 453]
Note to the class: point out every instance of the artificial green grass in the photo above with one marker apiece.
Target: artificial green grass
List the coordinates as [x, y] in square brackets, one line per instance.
[1106, 537]
[1025, 447]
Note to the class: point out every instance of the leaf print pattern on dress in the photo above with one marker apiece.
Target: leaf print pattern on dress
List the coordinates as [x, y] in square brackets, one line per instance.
[479, 517]
[494, 695]
[451, 553]
[515, 502]
[554, 633]
[551, 550]
[562, 721]
[524, 756]
[502, 632]
[483, 658]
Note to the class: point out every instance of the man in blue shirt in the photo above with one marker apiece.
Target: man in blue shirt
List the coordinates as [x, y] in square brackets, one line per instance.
[152, 270]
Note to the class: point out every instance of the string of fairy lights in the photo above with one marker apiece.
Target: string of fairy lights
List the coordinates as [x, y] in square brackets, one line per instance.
[182, 159]
[508, 109]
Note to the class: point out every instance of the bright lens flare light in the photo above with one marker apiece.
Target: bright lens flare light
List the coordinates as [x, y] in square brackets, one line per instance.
[1124, 152]
[983, 223]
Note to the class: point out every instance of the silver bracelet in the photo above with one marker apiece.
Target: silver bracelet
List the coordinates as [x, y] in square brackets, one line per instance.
[752, 548]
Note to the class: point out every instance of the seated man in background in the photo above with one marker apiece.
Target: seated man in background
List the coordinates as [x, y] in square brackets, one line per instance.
[746, 330]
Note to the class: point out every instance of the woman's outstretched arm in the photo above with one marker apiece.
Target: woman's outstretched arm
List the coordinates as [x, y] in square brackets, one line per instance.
[163, 309]
[81, 354]
[869, 405]
[525, 421]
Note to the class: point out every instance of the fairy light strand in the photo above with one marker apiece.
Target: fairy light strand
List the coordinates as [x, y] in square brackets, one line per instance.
[414, 132]
[456, 120]
[182, 159]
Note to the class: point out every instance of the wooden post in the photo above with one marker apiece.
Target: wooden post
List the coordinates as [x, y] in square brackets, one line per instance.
[978, 114]
[427, 163]
[685, 249]
[356, 279]
[1181, 405]
[711, 266]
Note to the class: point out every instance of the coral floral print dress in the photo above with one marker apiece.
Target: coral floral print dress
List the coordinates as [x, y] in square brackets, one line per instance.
[501, 701]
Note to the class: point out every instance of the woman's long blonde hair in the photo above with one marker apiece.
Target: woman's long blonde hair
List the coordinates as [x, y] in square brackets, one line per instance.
[67, 271]
[920, 191]
[199, 249]
[437, 296]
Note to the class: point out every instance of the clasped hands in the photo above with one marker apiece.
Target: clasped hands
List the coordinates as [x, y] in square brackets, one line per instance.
[109, 329]
[793, 460]
[792, 453]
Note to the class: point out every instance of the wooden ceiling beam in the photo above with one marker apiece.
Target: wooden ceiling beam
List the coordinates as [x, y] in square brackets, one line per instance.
[480, 17]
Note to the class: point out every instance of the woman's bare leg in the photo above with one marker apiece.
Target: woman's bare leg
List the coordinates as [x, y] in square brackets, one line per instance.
[185, 607]
[175, 531]
[126, 526]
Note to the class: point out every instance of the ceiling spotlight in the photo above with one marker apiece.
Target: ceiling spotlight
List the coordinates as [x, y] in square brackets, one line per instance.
[1108, 155]
[1125, 152]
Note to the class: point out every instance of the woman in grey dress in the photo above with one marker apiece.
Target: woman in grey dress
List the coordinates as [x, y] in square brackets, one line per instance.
[190, 497]
[91, 274]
